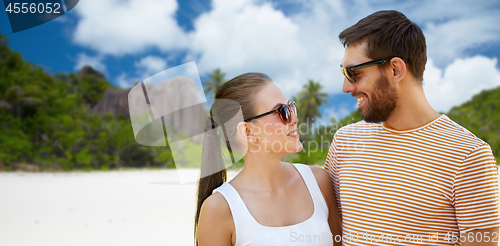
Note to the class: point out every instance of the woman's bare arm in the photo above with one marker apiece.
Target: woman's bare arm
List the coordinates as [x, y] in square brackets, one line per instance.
[215, 226]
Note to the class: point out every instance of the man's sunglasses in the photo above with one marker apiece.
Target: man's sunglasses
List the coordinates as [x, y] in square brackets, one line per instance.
[285, 112]
[347, 71]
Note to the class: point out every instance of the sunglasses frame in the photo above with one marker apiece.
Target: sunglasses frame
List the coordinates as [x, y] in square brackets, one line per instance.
[347, 71]
[282, 107]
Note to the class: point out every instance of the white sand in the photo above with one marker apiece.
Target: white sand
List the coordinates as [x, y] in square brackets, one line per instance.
[97, 208]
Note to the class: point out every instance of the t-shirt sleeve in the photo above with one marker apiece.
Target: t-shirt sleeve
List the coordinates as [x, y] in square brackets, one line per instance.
[331, 165]
[475, 191]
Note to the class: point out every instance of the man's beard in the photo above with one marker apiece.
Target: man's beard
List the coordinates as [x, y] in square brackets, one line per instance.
[382, 102]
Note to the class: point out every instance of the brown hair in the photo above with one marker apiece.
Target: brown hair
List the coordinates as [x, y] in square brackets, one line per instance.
[242, 90]
[390, 33]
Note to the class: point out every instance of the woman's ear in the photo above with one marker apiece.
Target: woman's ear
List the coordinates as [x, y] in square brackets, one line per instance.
[245, 132]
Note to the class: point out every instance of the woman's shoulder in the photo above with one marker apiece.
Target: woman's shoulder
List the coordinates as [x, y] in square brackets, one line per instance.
[216, 205]
[322, 177]
[215, 213]
[215, 224]
[320, 174]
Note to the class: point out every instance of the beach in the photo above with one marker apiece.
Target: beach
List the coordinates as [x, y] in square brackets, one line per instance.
[142, 207]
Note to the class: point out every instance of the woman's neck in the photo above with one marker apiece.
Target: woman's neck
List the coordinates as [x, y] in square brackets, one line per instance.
[265, 173]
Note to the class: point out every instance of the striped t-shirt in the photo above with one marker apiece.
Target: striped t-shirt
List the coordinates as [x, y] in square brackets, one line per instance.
[419, 186]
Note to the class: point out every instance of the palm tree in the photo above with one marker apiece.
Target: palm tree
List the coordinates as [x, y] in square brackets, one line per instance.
[309, 101]
[15, 99]
[215, 81]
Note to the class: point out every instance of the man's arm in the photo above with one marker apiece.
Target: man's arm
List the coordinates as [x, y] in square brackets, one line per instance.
[481, 237]
[476, 198]
[332, 167]
[325, 185]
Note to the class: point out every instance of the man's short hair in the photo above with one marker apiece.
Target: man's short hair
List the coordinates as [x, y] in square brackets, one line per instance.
[390, 33]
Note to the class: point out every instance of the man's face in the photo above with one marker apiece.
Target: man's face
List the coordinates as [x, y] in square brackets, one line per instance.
[377, 98]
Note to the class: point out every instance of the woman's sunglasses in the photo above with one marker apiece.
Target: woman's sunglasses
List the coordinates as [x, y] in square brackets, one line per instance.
[285, 112]
[347, 71]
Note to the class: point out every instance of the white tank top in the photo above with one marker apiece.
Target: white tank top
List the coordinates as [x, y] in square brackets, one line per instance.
[314, 231]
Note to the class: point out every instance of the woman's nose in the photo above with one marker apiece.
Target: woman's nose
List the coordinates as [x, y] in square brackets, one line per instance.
[295, 120]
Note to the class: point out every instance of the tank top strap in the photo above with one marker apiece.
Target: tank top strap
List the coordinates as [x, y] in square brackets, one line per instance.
[241, 216]
[313, 187]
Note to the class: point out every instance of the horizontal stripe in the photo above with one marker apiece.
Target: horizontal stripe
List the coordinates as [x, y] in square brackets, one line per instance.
[438, 178]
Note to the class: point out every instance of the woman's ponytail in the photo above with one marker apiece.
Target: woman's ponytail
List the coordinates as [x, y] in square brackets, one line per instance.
[213, 172]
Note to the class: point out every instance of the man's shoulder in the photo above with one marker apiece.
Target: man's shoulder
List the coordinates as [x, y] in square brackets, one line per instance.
[444, 131]
[457, 133]
[359, 128]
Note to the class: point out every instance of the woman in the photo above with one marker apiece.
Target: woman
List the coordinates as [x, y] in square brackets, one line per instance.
[269, 202]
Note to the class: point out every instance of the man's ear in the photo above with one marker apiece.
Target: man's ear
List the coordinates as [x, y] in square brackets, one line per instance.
[244, 131]
[398, 69]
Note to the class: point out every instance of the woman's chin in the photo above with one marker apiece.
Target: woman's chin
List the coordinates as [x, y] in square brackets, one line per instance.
[294, 147]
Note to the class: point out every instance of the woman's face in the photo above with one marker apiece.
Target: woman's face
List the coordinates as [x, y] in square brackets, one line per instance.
[271, 135]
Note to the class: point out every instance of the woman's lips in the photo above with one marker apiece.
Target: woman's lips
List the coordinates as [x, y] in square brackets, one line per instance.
[294, 134]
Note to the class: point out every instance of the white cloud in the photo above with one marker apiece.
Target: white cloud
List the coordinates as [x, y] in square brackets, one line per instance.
[247, 36]
[452, 28]
[83, 59]
[459, 81]
[449, 40]
[144, 68]
[127, 27]
[254, 36]
[125, 82]
[151, 65]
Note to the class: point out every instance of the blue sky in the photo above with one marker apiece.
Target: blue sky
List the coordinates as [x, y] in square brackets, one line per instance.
[290, 40]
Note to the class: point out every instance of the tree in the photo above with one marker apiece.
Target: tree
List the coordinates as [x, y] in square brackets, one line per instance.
[215, 81]
[15, 99]
[309, 100]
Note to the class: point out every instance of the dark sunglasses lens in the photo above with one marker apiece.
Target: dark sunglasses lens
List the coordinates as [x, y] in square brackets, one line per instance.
[348, 74]
[285, 114]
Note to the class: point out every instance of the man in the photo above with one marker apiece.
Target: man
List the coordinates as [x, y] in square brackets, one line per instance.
[406, 174]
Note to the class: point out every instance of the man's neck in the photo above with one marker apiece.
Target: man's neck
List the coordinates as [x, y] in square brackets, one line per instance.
[413, 110]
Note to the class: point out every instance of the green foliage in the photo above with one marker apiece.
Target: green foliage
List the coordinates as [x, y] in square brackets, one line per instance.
[186, 154]
[91, 88]
[46, 120]
[309, 100]
[216, 80]
[481, 116]
[15, 143]
[316, 141]
[353, 117]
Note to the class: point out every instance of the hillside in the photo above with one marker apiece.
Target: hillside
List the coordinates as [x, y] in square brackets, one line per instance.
[71, 121]
[481, 116]
[46, 122]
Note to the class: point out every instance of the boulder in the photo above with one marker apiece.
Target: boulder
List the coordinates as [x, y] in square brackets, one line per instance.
[88, 70]
[165, 98]
[114, 101]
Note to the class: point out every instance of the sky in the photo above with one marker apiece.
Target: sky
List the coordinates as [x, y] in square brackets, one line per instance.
[289, 40]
